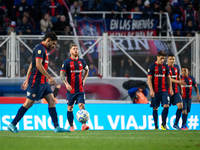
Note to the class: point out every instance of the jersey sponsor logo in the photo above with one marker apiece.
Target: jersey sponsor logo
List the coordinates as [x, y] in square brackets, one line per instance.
[71, 66]
[76, 71]
[159, 75]
[186, 86]
[174, 76]
[39, 51]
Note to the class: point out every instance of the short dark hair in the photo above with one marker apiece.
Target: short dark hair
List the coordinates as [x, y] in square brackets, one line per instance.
[161, 53]
[184, 67]
[50, 35]
[171, 55]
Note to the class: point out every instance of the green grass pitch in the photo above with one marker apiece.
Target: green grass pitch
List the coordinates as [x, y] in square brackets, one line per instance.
[101, 140]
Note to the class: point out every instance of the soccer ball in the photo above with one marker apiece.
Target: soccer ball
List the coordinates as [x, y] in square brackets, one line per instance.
[82, 116]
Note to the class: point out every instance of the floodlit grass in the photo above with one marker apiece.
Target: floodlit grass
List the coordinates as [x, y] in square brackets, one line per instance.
[101, 140]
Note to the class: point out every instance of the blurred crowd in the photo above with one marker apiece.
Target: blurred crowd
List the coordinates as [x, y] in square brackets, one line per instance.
[29, 17]
[40, 16]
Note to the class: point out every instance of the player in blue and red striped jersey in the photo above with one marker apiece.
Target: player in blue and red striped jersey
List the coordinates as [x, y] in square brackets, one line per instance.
[176, 85]
[187, 94]
[38, 82]
[73, 68]
[158, 81]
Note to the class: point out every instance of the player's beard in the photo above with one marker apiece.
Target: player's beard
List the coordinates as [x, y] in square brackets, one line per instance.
[75, 54]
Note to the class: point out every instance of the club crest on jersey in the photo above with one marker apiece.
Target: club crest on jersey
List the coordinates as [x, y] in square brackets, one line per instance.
[33, 95]
[148, 70]
[63, 65]
[39, 51]
[163, 69]
[80, 64]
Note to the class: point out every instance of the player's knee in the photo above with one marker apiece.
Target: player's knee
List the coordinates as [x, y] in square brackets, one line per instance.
[166, 106]
[180, 106]
[81, 106]
[155, 108]
[52, 102]
[70, 108]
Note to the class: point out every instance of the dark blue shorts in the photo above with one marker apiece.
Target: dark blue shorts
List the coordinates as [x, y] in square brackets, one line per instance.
[176, 98]
[160, 97]
[187, 104]
[37, 92]
[75, 98]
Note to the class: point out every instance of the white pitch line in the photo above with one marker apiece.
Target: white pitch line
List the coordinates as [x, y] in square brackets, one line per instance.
[87, 137]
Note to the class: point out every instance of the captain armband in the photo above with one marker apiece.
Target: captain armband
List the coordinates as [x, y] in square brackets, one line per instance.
[86, 67]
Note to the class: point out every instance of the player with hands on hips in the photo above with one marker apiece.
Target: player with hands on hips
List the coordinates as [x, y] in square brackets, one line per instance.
[76, 70]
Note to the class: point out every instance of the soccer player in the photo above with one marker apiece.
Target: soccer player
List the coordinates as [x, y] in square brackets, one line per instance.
[159, 81]
[187, 94]
[38, 82]
[73, 68]
[176, 81]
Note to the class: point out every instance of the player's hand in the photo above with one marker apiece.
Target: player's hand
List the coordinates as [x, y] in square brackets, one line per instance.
[69, 88]
[24, 85]
[198, 98]
[171, 92]
[51, 81]
[152, 93]
[182, 82]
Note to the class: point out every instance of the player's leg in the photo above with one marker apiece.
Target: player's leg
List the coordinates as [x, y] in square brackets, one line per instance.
[155, 117]
[81, 105]
[22, 110]
[70, 116]
[48, 95]
[84, 126]
[165, 104]
[70, 105]
[155, 104]
[179, 103]
[184, 114]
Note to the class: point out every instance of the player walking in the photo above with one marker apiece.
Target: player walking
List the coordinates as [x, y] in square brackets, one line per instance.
[73, 68]
[175, 78]
[38, 82]
[187, 94]
[158, 82]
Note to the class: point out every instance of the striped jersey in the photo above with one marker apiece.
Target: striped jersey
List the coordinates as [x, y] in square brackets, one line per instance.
[36, 77]
[174, 72]
[159, 74]
[74, 71]
[187, 90]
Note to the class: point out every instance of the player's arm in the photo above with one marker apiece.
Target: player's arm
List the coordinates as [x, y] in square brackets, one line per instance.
[182, 83]
[63, 78]
[40, 67]
[25, 83]
[85, 74]
[168, 78]
[197, 91]
[149, 82]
